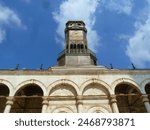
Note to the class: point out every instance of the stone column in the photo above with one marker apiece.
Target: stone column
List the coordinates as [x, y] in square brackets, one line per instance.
[113, 103]
[9, 103]
[44, 104]
[146, 102]
[79, 104]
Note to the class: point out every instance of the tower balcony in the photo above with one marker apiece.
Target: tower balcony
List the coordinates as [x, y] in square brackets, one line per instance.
[74, 57]
[76, 52]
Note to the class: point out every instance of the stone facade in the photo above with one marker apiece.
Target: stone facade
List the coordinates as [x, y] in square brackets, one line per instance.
[62, 89]
[75, 88]
[76, 48]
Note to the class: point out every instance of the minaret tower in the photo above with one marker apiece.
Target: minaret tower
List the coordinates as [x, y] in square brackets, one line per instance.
[76, 51]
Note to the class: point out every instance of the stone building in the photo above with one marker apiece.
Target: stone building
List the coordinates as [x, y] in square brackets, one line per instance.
[76, 85]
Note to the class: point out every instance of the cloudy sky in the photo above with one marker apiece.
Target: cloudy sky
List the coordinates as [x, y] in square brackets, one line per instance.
[32, 31]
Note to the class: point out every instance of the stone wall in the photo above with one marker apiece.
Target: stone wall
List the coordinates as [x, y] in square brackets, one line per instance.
[86, 90]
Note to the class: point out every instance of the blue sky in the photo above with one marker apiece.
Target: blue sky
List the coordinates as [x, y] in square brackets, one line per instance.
[32, 31]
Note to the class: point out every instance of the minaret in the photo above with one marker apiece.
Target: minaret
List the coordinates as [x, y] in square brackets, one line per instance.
[76, 51]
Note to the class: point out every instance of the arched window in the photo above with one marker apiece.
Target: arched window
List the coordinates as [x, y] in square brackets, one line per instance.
[85, 47]
[78, 46]
[74, 46]
[81, 46]
[67, 47]
[71, 46]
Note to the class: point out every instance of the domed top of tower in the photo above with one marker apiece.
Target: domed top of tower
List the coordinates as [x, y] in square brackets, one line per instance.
[75, 25]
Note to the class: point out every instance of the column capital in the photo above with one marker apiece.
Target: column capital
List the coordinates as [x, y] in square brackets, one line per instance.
[79, 97]
[113, 102]
[45, 100]
[145, 98]
[10, 100]
[79, 100]
[113, 99]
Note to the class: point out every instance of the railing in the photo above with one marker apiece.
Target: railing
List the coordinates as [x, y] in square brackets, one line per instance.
[76, 51]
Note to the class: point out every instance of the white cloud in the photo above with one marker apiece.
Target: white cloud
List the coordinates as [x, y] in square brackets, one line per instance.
[138, 48]
[121, 6]
[78, 10]
[7, 18]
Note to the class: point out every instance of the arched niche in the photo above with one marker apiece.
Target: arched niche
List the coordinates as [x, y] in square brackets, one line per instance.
[28, 99]
[62, 93]
[4, 92]
[129, 98]
[95, 89]
[63, 90]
